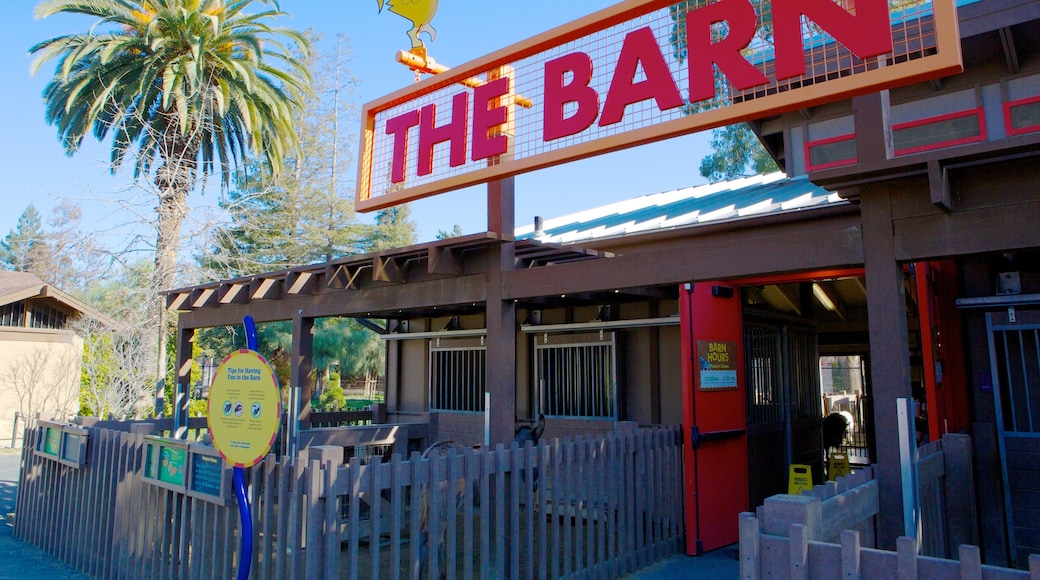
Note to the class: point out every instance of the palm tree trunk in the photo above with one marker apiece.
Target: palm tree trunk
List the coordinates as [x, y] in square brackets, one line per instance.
[173, 180]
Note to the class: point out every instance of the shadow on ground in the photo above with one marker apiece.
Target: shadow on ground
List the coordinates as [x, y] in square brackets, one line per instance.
[20, 559]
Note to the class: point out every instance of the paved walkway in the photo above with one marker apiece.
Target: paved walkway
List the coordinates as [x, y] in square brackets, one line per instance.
[721, 564]
[22, 561]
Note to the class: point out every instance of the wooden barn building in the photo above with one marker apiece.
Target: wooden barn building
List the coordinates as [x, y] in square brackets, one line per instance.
[892, 271]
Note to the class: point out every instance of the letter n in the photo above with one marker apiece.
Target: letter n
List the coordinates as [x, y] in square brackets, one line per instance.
[866, 33]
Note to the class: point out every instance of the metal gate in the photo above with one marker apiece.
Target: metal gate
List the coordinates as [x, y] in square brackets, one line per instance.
[576, 375]
[783, 405]
[1014, 352]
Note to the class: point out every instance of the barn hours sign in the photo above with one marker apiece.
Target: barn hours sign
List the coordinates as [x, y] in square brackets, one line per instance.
[641, 71]
[244, 408]
[716, 364]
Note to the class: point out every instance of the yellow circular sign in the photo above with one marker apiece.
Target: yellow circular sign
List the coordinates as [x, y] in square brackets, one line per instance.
[244, 408]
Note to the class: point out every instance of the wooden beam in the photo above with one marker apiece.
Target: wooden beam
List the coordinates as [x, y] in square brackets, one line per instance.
[830, 242]
[343, 277]
[939, 186]
[177, 301]
[266, 288]
[444, 260]
[386, 300]
[303, 282]
[204, 298]
[1007, 42]
[233, 293]
[369, 324]
[387, 269]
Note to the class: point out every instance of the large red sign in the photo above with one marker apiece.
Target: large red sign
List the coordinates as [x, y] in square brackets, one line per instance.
[641, 71]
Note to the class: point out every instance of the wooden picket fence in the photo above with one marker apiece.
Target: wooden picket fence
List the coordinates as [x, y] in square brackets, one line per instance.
[829, 532]
[600, 507]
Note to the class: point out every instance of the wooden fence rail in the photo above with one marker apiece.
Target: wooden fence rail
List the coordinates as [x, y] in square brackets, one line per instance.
[829, 531]
[601, 507]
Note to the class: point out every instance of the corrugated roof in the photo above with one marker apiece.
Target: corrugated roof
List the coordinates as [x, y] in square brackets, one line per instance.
[741, 198]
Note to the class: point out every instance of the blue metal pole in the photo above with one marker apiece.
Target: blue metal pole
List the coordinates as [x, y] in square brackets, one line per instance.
[239, 476]
[246, 518]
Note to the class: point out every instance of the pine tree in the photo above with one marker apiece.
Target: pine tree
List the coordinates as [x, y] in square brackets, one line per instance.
[25, 249]
[305, 214]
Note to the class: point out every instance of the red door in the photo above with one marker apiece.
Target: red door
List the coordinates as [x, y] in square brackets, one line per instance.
[714, 416]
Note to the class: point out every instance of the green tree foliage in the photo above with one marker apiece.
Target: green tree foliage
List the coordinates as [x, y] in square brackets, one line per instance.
[118, 374]
[394, 228]
[736, 152]
[25, 248]
[305, 214]
[59, 254]
[332, 397]
[184, 88]
[455, 232]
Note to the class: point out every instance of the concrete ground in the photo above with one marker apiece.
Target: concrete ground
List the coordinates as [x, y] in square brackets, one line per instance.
[22, 561]
[722, 564]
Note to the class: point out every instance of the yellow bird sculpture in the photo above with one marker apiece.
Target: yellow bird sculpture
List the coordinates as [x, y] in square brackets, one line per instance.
[419, 13]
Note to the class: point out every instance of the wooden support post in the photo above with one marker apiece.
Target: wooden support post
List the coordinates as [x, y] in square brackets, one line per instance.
[300, 385]
[182, 382]
[501, 318]
[889, 354]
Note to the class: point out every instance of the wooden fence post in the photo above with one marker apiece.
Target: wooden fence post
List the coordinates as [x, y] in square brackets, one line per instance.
[750, 563]
[799, 553]
[959, 492]
[850, 553]
[971, 562]
[906, 558]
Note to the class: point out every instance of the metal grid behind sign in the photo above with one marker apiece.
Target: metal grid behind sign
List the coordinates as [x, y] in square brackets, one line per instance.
[577, 375]
[920, 30]
[457, 375]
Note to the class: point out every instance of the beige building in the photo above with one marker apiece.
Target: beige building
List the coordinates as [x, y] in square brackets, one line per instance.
[40, 357]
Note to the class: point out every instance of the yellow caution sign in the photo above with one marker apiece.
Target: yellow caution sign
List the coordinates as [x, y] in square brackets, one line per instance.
[838, 466]
[801, 478]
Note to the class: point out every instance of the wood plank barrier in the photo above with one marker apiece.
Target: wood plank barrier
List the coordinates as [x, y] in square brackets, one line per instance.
[829, 531]
[595, 506]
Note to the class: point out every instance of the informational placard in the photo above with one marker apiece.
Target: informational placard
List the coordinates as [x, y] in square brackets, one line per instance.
[62, 442]
[172, 465]
[717, 364]
[244, 408]
[207, 476]
[52, 440]
[165, 462]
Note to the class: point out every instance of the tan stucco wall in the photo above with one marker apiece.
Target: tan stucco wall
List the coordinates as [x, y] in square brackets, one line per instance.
[58, 354]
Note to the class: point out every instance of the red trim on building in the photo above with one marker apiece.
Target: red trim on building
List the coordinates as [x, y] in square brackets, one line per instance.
[1011, 131]
[809, 166]
[978, 112]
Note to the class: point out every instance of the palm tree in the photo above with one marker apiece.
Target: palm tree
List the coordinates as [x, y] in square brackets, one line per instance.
[184, 88]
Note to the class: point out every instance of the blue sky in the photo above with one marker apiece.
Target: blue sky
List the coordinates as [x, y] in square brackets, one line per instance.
[36, 169]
